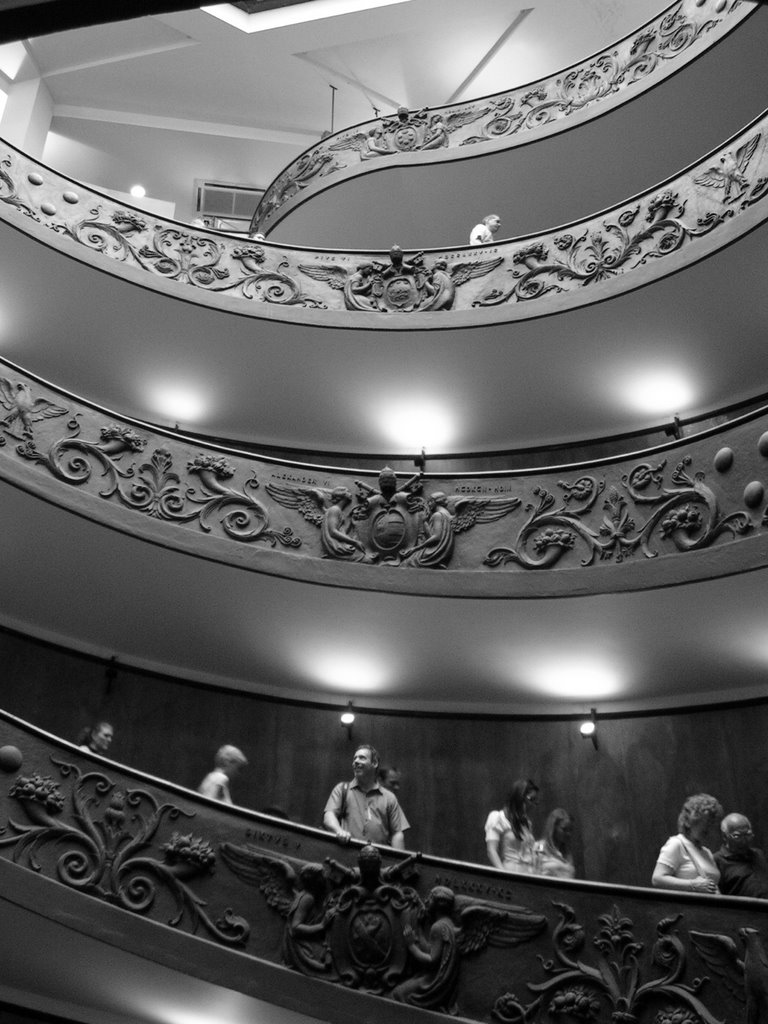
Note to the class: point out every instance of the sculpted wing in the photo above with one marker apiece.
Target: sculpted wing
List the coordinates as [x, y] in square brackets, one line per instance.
[311, 502]
[721, 955]
[7, 393]
[461, 117]
[44, 410]
[484, 923]
[275, 877]
[463, 272]
[334, 276]
[713, 177]
[744, 153]
[359, 141]
[469, 511]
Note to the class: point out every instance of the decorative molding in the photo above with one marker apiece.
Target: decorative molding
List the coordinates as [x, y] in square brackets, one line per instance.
[676, 224]
[622, 524]
[510, 118]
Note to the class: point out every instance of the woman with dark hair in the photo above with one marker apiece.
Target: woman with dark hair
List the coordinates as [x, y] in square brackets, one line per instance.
[552, 852]
[508, 833]
[684, 861]
[96, 738]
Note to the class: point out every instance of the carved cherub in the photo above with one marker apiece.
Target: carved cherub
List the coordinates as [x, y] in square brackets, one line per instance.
[747, 979]
[17, 399]
[297, 891]
[367, 145]
[448, 516]
[325, 508]
[450, 927]
[730, 173]
[442, 280]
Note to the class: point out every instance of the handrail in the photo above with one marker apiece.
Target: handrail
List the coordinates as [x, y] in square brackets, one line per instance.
[691, 509]
[504, 120]
[673, 225]
[129, 861]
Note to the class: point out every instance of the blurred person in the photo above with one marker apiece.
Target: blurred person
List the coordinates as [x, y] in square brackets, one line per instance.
[509, 838]
[482, 233]
[96, 738]
[685, 862]
[552, 853]
[227, 763]
[743, 868]
[389, 778]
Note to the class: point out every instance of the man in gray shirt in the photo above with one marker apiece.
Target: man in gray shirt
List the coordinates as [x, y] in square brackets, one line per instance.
[362, 808]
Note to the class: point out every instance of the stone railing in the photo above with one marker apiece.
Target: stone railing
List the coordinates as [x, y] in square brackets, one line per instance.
[686, 510]
[343, 932]
[667, 228]
[508, 119]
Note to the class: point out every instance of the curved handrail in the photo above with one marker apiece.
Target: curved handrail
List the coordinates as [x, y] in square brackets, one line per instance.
[671, 226]
[225, 894]
[686, 510]
[504, 120]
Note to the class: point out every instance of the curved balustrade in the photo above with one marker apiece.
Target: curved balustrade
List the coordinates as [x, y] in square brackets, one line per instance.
[505, 120]
[675, 224]
[680, 512]
[282, 911]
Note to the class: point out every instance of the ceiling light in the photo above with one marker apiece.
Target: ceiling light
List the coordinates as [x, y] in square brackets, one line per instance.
[662, 391]
[138, 191]
[177, 404]
[417, 424]
[296, 14]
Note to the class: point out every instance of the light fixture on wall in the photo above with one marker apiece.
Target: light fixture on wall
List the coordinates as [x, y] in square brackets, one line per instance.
[348, 718]
[588, 729]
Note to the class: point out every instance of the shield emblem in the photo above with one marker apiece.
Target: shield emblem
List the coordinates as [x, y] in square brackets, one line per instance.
[388, 531]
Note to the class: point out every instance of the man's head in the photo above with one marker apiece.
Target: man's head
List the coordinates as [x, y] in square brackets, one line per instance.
[365, 763]
[101, 737]
[230, 759]
[736, 831]
[492, 222]
[389, 778]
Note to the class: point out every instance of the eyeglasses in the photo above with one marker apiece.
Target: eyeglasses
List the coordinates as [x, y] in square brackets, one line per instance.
[742, 833]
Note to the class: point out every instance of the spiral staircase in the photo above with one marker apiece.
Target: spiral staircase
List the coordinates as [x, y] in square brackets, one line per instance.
[587, 546]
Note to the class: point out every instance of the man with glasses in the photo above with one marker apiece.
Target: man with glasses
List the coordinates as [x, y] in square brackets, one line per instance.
[743, 868]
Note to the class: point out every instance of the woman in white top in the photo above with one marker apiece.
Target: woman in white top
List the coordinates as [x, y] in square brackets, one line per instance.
[685, 863]
[553, 855]
[509, 837]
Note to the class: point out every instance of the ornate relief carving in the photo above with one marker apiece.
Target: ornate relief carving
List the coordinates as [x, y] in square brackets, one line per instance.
[155, 489]
[104, 847]
[403, 286]
[687, 515]
[394, 525]
[745, 977]
[577, 990]
[23, 409]
[663, 42]
[365, 929]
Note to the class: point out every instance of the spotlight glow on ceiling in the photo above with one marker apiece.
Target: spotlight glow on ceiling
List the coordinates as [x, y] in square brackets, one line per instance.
[575, 678]
[661, 391]
[348, 671]
[297, 14]
[417, 423]
[176, 403]
[138, 191]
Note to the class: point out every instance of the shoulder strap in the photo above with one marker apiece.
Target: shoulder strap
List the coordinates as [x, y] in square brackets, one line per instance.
[344, 788]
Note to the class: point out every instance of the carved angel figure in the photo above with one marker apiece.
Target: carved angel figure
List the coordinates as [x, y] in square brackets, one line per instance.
[327, 509]
[745, 979]
[366, 144]
[730, 172]
[17, 399]
[444, 521]
[453, 926]
[297, 891]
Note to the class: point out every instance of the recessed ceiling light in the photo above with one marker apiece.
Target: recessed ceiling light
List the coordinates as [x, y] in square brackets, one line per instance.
[417, 423]
[138, 191]
[176, 403]
[660, 391]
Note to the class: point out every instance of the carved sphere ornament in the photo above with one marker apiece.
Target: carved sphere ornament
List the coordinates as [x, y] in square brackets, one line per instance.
[10, 759]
